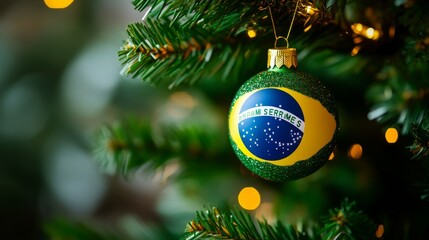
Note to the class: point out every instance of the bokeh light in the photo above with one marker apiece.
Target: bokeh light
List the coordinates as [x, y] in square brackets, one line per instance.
[251, 33]
[249, 198]
[355, 151]
[58, 4]
[391, 135]
[380, 231]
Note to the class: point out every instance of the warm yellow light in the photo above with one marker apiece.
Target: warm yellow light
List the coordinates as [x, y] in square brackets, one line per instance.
[249, 198]
[307, 28]
[358, 27]
[370, 33]
[392, 31]
[355, 151]
[331, 156]
[251, 33]
[357, 40]
[380, 231]
[391, 135]
[355, 51]
[376, 35]
[58, 4]
[309, 10]
[365, 31]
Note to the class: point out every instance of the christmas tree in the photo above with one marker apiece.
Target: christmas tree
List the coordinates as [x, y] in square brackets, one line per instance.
[90, 151]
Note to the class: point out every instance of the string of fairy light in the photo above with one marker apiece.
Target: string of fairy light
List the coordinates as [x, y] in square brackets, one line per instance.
[359, 32]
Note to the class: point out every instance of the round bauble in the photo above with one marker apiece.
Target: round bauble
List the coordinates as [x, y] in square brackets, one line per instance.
[283, 122]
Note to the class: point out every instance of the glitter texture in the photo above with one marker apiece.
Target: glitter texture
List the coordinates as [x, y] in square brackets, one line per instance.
[307, 85]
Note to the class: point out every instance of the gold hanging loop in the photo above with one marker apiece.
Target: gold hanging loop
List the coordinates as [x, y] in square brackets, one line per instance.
[290, 27]
[281, 37]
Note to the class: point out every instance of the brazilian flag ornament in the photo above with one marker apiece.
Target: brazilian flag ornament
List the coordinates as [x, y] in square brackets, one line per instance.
[283, 122]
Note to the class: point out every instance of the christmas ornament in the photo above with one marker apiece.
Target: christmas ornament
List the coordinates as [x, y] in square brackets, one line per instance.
[283, 122]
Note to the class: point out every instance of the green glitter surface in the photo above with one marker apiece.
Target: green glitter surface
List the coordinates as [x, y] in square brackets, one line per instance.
[305, 84]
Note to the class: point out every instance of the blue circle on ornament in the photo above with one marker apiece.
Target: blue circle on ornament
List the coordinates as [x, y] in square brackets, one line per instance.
[271, 124]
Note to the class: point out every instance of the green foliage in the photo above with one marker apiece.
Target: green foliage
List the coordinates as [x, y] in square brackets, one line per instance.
[237, 224]
[346, 222]
[420, 147]
[401, 97]
[128, 145]
[420, 151]
[66, 230]
[417, 42]
[183, 42]
[175, 56]
[126, 228]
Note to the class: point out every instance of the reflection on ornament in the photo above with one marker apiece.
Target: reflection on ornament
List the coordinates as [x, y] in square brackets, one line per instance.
[391, 135]
[249, 198]
[58, 4]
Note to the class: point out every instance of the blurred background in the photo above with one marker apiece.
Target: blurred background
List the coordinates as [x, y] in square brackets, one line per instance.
[59, 80]
[62, 98]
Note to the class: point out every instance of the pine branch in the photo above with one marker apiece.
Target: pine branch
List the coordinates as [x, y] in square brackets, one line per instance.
[420, 151]
[124, 147]
[182, 42]
[236, 224]
[348, 223]
[420, 147]
[169, 55]
[402, 99]
[209, 14]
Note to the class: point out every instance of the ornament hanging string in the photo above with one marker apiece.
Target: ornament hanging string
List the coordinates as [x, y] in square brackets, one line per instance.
[290, 27]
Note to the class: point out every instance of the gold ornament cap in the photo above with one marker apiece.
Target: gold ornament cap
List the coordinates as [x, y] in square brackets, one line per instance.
[282, 56]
